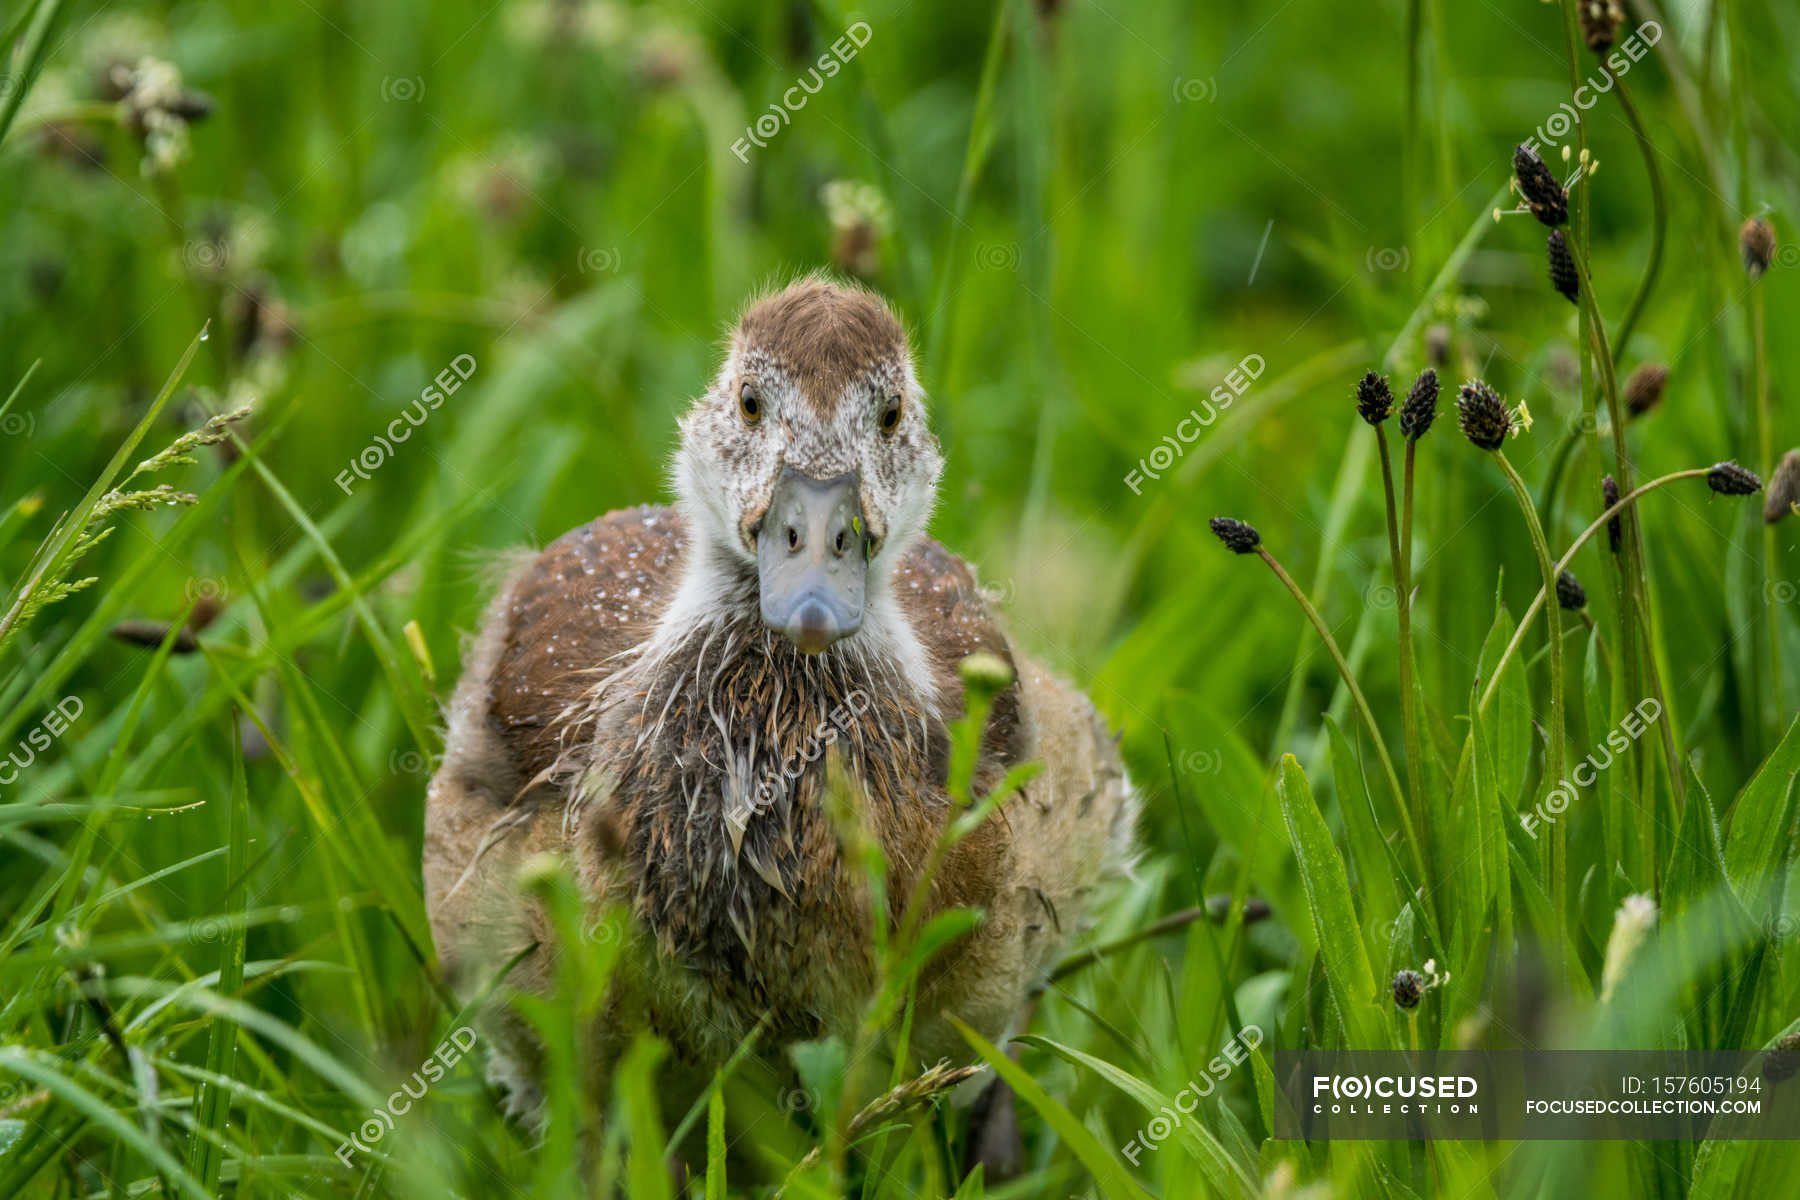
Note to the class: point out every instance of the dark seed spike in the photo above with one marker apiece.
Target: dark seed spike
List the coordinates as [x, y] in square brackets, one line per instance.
[1729, 479]
[1757, 240]
[1600, 21]
[192, 107]
[1609, 493]
[1374, 399]
[1483, 415]
[1409, 987]
[1644, 389]
[1569, 592]
[1437, 344]
[1420, 409]
[1562, 268]
[151, 634]
[1783, 1060]
[1784, 488]
[1238, 537]
[1545, 197]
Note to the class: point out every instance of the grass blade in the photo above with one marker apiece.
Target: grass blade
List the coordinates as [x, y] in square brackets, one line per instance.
[1335, 925]
[1109, 1175]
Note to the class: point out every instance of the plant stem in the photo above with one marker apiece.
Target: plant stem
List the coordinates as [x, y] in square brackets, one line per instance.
[1558, 722]
[1635, 618]
[1578, 227]
[1559, 462]
[1415, 792]
[1415, 732]
[1594, 347]
[1409, 145]
[1594, 630]
[1659, 216]
[1362, 703]
[1621, 337]
[91, 111]
[1387, 488]
[1765, 456]
[1216, 910]
[1446, 147]
[1626, 501]
[1696, 97]
[1352, 470]
[1633, 599]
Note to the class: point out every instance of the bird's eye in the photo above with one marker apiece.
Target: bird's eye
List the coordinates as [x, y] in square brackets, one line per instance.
[890, 416]
[750, 403]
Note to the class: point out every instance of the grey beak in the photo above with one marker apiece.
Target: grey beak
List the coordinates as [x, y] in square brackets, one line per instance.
[811, 561]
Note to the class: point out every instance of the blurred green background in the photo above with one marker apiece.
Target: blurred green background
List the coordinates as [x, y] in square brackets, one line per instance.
[1087, 215]
[1157, 193]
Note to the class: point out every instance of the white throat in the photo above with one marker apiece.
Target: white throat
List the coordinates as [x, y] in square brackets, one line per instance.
[718, 589]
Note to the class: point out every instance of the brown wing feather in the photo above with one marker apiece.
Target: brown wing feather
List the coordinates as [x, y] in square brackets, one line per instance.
[593, 593]
[950, 614]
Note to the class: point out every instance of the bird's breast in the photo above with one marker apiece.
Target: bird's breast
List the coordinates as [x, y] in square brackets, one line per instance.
[737, 803]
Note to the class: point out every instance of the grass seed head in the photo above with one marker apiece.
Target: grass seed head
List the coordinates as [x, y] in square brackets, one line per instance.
[1757, 238]
[1238, 537]
[1483, 415]
[1545, 197]
[1437, 344]
[206, 609]
[1784, 488]
[1420, 409]
[1409, 987]
[1632, 926]
[156, 106]
[1569, 592]
[1609, 496]
[1729, 479]
[1783, 1059]
[1644, 389]
[1600, 21]
[860, 220]
[1374, 399]
[1562, 268]
[152, 634]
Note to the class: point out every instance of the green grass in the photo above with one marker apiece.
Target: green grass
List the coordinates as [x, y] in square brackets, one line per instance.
[214, 959]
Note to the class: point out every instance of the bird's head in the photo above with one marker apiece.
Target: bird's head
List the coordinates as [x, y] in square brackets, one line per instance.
[809, 461]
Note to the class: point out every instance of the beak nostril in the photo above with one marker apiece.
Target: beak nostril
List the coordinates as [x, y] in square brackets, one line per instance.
[810, 563]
